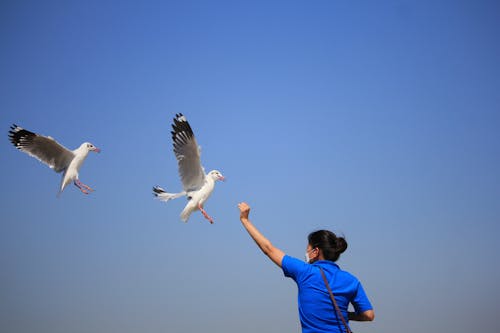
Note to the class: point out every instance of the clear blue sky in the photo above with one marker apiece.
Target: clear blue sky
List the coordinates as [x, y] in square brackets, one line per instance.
[379, 120]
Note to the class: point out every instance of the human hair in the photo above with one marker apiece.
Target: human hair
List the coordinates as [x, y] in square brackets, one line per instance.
[330, 245]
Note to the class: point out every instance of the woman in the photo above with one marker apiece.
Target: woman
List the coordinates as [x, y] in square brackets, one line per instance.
[316, 311]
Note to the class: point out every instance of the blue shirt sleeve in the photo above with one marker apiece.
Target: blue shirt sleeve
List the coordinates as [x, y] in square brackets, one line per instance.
[294, 268]
[361, 302]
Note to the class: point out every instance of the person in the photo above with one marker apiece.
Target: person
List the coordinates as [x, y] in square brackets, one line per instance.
[316, 311]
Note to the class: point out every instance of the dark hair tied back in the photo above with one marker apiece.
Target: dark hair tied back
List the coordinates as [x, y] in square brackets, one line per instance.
[330, 245]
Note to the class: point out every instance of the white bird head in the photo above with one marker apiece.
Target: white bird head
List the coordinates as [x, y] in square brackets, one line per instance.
[216, 175]
[90, 147]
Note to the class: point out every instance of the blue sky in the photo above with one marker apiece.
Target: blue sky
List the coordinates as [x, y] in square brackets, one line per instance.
[377, 120]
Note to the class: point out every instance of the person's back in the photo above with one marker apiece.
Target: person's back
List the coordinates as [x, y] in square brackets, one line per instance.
[316, 310]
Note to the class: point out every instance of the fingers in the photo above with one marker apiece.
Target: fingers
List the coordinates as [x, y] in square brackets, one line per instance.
[244, 210]
[243, 206]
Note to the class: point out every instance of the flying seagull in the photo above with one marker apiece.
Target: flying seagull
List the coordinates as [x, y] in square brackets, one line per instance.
[57, 157]
[197, 185]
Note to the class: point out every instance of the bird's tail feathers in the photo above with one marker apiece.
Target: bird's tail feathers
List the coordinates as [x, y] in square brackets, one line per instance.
[64, 182]
[162, 195]
[186, 213]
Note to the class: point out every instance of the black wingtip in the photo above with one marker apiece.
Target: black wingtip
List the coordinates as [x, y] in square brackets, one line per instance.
[20, 137]
[13, 128]
[181, 126]
[157, 190]
[12, 134]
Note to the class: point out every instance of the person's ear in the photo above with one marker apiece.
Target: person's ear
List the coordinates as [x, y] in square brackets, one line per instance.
[315, 253]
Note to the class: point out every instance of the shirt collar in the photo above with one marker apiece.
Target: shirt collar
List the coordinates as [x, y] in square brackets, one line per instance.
[326, 263]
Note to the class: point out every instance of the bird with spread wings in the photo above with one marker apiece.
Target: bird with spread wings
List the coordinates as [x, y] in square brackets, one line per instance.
[197, 185]
[52, 153]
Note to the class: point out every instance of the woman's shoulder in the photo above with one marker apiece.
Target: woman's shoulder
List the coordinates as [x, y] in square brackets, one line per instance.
[348, 279]
[290, 261]
[293, 267]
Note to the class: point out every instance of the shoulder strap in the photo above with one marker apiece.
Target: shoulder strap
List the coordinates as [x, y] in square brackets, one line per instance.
[348, 330]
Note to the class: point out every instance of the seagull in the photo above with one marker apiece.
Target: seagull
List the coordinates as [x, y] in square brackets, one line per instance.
[197, 185]
[57, 157]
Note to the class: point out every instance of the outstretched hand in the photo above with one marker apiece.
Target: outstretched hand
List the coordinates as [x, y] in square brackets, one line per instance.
[275, 254]
[244, 210]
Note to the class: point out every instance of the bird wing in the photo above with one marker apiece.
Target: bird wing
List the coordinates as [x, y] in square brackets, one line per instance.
[187, 152]
[44, 148]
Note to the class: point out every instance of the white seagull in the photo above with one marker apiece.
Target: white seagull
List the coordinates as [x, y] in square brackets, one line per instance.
[53, 154]
[197, 185]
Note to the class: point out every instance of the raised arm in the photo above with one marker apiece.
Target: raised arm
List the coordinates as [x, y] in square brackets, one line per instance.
[275, 254]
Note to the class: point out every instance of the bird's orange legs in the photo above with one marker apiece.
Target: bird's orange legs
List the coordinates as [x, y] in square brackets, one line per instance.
[200, 207]
[84, 188]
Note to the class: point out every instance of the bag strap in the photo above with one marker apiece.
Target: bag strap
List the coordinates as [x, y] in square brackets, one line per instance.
[348, 330]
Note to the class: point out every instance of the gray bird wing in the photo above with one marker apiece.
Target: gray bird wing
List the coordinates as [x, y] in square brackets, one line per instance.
[187, 153]
[44, 148]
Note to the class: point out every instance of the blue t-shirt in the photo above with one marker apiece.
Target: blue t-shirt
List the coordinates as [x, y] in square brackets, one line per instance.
[316, 311]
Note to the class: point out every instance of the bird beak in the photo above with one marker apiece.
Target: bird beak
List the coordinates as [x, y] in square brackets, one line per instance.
[222, 178]
[97, 150]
